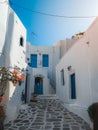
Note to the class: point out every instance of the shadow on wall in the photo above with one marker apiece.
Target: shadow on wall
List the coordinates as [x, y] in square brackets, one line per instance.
[5, 54]
[15, 95]
[14, 103]
[5, 57]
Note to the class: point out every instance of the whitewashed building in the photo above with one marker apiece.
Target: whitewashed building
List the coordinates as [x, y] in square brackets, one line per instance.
[12, 53]
[68, 69]
[42, 61]
[77, 72]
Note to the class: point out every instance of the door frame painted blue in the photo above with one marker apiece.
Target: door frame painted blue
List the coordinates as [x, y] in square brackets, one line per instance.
[38, 87]
[73, 86]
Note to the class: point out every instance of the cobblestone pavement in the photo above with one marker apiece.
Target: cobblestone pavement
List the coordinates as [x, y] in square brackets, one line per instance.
[47, 113]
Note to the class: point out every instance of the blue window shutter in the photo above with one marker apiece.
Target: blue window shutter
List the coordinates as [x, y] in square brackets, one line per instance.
[62, 77]
[33, 60]
[45, 60]
[73, 86]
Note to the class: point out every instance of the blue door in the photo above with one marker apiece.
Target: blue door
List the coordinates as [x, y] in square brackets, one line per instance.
[73, 86]
[38, 89]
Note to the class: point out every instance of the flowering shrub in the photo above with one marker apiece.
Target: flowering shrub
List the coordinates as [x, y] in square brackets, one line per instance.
[15, 75]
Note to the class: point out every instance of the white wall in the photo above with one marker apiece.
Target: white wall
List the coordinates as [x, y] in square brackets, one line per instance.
[64, 45]
[40, 70]
[43, 73]
[55, 61]
[83, 59]
[55, 53]
[12, 29]
[47, 72]
[3, 21]
[16, 54]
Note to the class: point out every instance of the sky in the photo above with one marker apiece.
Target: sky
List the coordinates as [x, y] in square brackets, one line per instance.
[45, 30]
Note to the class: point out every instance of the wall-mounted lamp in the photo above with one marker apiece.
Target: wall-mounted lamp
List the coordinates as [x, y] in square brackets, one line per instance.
[88, 43]
[28, 59]
[69, 68]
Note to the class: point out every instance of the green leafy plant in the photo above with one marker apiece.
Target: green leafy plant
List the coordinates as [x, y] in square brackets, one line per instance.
[91, 111]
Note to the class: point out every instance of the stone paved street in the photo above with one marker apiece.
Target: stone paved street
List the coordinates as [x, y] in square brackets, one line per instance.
[47, 113]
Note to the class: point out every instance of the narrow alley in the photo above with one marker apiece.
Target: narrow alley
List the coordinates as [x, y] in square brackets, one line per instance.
[46, 113]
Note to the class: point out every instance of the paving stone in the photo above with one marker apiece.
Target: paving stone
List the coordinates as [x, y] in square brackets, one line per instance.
[48, 127]
[7, 125]
[39, 121]
[74, 123]
[51, 120]
[10, 129]
[75, 128]
[35, 123]
[65, 125]
[66, 128]
[23, 128]
[36, 126]
[18, 120]
[48, 113]
[14, 127]
[56, 128]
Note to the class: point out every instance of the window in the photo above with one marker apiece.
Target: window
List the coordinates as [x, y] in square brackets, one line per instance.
[45, 60]
[21, 41]
[33, 62]
[62, 77]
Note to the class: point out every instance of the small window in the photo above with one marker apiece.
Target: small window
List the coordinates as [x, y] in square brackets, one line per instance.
[62, 77]
[21, 41]
[45, 61]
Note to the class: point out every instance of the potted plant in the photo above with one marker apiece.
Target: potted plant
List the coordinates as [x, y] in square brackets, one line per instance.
[93, 114]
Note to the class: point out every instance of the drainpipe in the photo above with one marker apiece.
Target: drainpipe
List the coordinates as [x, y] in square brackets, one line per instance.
[89, 70]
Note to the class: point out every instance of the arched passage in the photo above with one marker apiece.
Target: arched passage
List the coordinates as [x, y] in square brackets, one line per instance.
[38, 87]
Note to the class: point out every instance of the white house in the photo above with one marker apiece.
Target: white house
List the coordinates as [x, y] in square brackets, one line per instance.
[12, 54]
[42, 61]
[77, 72]
[68, 69]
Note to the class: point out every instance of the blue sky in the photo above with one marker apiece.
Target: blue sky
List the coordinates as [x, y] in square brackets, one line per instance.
[46, 30]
